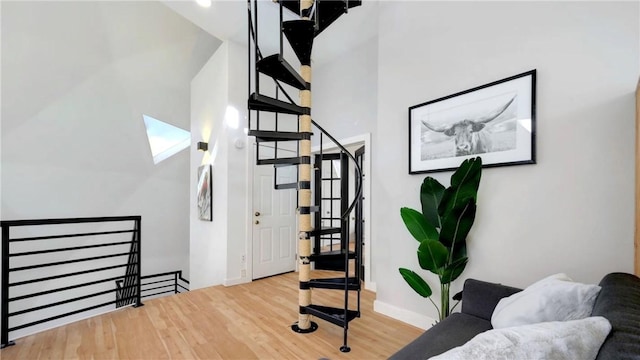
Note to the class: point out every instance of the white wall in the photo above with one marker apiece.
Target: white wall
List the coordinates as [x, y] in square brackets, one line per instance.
[217, 247]
[76, 79]
[345, 90]
[238, 186]
[573, 211]
[208, 104]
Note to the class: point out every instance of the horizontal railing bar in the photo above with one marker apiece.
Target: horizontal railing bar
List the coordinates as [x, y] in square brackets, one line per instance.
[69, 248]
[46, 292]
[160, 293]
[158, 275]
[156, 282]
[5, 223]
[157, 287]
[62, 315]
[61, 302]
[68, 262]
[72, 235]
[69, 274]
[165, 274]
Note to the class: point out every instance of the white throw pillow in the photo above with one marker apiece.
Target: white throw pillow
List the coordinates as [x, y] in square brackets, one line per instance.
[554, 298]
[557, 340]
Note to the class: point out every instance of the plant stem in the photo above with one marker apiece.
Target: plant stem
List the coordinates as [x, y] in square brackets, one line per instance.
[454, 305]
[434, 304]
[444, 301]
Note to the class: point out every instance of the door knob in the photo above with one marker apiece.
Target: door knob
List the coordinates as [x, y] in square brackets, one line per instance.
[257, 222]
[257, 213]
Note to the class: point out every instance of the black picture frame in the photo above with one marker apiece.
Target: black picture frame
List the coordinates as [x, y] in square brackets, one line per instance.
[495, 121]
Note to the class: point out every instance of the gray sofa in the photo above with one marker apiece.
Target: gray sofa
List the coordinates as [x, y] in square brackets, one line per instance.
[618, 301]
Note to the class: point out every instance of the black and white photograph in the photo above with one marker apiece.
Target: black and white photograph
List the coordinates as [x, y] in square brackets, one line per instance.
[495, 121]
[204, 193]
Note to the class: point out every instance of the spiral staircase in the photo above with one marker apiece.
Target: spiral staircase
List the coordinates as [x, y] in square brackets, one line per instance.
[284, 127]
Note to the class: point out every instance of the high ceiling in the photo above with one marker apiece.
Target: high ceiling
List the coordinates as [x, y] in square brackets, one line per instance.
[227, 20]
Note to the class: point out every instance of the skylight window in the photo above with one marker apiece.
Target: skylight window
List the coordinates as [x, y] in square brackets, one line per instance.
[165, 140]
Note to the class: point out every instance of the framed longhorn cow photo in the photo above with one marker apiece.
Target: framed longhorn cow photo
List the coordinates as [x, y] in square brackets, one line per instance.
[495, 121]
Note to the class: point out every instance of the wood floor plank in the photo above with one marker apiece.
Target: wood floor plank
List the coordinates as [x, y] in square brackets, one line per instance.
[249, 321]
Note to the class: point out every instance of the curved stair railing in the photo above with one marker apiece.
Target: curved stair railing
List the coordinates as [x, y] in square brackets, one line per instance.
[315, 17]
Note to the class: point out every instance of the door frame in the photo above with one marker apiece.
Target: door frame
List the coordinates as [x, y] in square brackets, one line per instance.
[248, 255]
[360, 155]
[636, 261]
[369, 283]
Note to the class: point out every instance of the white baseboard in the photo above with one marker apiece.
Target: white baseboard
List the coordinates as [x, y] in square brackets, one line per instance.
[404, 315]
[236, 281]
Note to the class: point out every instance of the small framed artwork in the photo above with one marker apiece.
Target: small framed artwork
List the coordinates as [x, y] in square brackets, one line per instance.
[495, 121]
[204, 193]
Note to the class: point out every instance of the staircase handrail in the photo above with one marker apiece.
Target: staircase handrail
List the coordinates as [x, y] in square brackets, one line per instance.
[357, 168]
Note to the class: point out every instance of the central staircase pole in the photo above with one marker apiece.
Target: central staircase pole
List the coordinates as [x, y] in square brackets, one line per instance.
[304, 195]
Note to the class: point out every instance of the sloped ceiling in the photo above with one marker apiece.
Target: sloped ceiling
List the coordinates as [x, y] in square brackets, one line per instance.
[103, 64]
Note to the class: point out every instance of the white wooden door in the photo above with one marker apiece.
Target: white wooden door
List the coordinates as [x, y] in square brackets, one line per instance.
[274, 222]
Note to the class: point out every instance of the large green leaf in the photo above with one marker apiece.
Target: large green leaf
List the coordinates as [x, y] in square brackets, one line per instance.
[464, 185]
[454, 270]
[459, 251]
[418, 225]
[430, 195]
[469, 172]
[456, 225]
[416, 282]
[432, 256]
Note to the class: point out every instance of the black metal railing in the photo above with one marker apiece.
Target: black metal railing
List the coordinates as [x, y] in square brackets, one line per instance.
[56, 268]
[154, 285]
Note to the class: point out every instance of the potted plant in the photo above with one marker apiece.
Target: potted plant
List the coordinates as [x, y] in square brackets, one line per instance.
[441, 228]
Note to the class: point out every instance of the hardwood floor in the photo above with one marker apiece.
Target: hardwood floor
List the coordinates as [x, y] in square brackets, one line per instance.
[250, 321]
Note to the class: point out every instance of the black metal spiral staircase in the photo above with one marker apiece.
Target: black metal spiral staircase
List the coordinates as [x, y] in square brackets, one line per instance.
[279, 128]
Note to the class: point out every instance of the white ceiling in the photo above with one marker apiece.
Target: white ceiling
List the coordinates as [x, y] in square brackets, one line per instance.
[227, 20]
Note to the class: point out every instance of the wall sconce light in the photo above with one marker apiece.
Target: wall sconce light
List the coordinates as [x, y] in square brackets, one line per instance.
[203, 146]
